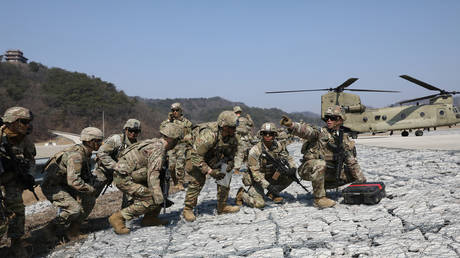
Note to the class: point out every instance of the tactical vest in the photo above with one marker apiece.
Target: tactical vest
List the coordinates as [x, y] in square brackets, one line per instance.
[56, 166]
[266, 167]
[319, 148]
[220, 150]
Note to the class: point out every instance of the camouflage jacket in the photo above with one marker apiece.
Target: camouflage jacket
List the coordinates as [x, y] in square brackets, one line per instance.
[71, 167]
[139, 168]
[112, 147]
[183, 122]
[244, 125]
[319, 141]
[260, 168]
[209, 148]
[22, 148]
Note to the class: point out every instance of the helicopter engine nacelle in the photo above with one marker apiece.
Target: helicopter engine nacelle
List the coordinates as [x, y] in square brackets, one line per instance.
[358, 108]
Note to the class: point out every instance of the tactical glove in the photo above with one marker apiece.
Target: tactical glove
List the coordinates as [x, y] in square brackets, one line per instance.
[286, 121]
[168, 203]
[291, 172]
[271, 189]
[215, 173]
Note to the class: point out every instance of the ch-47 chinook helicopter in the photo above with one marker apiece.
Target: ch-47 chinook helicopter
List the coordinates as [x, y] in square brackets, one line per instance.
[439, 112]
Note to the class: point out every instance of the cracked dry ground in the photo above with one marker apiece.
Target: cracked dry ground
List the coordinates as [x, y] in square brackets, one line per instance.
[419, 217]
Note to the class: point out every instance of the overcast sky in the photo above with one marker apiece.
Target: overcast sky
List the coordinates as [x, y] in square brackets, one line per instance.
[240, 49]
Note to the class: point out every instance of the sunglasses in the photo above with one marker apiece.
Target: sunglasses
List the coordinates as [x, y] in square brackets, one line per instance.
[332, 118]
[134, 130]
[175, 110]
[24, 121]
[97, 141]
[268, 133]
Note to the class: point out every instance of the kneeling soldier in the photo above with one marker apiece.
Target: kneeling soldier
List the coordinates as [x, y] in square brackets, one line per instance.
[262, 174]
[320, 155]
[137, 173]
[69, 184]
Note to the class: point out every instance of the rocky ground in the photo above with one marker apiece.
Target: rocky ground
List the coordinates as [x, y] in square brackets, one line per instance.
[419, 217]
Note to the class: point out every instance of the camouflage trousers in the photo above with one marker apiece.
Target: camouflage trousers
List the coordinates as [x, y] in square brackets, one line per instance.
[72, 205]
[323, 176]
[254, 196]
[177, 162]
[139, 207]
[241, 155]
[196, 185]
[14, 204]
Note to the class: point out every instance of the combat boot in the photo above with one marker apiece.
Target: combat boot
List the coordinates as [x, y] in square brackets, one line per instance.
[151, 219]
[323, 202]
[224, 208]
[239, 197]
[118, 223]
[18, 248]
[275, 198]
[188, 215]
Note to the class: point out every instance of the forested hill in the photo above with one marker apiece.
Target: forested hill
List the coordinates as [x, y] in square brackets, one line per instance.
[70, 101]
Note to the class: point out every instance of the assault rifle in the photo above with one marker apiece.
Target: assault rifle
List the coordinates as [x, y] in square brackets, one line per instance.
[339, 156]
[165, 177]
[108, 172]
[282, 166]
[27, 180]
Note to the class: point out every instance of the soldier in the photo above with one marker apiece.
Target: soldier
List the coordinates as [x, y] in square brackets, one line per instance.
[113, 146]
[177, 155]
[243, 135]
[137, 173]
[283, 137]
[214, 147]
[69, 184]
[17, 157]
[262, 175]
[319, 162]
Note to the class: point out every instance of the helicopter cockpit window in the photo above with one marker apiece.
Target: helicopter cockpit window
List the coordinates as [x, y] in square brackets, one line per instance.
[455, 109]
[422, 114]
[441, 112]
[377, 117]
[384, 117]
[365, 119]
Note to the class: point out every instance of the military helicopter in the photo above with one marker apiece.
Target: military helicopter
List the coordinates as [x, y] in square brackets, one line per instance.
[439, 112]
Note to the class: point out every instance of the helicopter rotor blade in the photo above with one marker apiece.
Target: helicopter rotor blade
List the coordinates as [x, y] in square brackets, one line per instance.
[420, 83]
[347, 83]
[394, 91]
[291, 91]
[417, 99]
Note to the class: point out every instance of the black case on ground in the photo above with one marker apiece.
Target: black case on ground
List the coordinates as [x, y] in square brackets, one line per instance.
[364, 193]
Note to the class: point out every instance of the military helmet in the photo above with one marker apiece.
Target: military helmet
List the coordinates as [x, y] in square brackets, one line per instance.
[335, 111]
[172, 130]
[14, 113]
[90, 133]
[269, 128]
[237, 109]
[132, 124]
[176, 106]
[227, 118]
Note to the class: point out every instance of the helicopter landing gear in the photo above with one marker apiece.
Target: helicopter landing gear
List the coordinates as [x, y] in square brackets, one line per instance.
[418, 133]
[404, 133]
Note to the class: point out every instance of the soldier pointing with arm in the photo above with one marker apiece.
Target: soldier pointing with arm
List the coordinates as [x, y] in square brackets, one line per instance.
[320, 152]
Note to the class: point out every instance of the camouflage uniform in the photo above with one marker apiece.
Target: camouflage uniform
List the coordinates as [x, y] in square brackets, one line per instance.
[283, 137]
[319, 164]
[244, 137]
[69, 184]
[110, 151]
[209, 150]
[177, 155]
[262, 174]
[10, 185]
[137, 173]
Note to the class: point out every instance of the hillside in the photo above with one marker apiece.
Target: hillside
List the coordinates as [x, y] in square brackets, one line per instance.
[70, 101]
